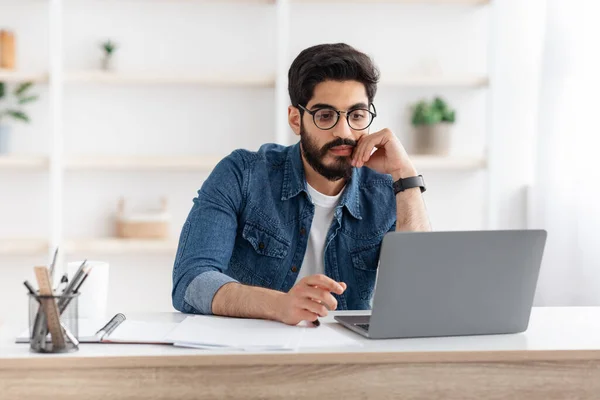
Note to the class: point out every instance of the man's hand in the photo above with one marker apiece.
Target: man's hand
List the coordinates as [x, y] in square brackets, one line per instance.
[309, 299]
[390, 157]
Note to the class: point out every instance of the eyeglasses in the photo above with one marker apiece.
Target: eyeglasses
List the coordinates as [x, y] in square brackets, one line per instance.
[326, 118]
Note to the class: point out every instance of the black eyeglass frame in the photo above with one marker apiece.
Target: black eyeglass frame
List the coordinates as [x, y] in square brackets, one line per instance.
[338, 112]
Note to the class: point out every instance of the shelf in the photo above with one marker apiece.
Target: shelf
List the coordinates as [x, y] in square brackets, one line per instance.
[198, 163]
[23, 247]
[229, 80]
[122, 246]
[202, 1]
[448, 163]
[436, 81]
[18, 162]
[207, 163]
[440, 2]
[172, 78]
[140, 163]
[17, 77]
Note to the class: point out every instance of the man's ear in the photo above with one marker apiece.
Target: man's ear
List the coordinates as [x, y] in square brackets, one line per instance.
[294, 119]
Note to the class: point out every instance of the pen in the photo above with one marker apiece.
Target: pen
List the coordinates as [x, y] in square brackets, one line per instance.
[66, 299]
[40, 321]
[53, 265]
[29, 287]
[71, 285]
[87, 273]
[316, 322]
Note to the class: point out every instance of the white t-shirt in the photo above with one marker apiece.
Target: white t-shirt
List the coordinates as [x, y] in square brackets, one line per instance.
[324, 210]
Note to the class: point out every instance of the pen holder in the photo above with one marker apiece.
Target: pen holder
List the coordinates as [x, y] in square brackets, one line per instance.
[53, 323]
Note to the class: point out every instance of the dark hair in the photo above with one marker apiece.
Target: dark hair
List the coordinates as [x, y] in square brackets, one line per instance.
[337, 62]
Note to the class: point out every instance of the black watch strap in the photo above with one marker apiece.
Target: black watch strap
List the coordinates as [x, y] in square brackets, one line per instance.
[408, 183]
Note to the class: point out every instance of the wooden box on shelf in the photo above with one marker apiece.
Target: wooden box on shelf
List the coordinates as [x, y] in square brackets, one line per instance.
[150, 224]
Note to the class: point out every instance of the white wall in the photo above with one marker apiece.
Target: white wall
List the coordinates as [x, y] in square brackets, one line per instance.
[180, 119]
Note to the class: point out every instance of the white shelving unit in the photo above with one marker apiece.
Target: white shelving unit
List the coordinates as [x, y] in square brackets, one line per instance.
[116, 246]
[432, 81]
[25, 247]
[438, 2]
[169, 78]
[268, 81]
[58, 164]
[16, 76]
[23, 162]
[155, 163]
[207, 163]
[201, 163]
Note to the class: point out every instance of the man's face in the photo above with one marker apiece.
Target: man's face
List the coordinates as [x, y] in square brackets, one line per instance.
[329, 152]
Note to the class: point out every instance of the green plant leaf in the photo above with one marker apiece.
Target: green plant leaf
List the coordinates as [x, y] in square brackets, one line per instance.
[440, 104]
[2, 89]
[109, 47]
[449, 116]
[29, 99]
[433, 117]
[22, 88]
[419, 110]
[18, 115]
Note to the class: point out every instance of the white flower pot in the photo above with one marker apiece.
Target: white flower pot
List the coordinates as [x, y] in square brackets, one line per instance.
[433, 139]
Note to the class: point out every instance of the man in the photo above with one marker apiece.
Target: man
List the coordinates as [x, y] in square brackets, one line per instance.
[288, 233]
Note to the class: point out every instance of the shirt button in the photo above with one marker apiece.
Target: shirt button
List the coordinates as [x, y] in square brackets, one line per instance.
[261, 245]
[294, 269]
[302, 231]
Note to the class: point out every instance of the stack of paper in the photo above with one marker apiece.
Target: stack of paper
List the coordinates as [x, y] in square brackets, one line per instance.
[211, 332]
[141, 332]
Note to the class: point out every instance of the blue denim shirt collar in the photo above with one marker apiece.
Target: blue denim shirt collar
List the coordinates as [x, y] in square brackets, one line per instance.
[294, 182]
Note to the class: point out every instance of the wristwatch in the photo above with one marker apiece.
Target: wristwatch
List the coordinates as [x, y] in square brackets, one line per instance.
[408, 183]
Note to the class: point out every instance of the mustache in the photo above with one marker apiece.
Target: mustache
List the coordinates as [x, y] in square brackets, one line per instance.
[338, 142]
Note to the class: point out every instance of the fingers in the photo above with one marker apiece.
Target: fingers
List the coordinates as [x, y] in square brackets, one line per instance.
[324, 282]
[314, 308]
[320, 295]
[298, 315]
[363, 150]
[311, 298]
[366, 144]
[306, 315]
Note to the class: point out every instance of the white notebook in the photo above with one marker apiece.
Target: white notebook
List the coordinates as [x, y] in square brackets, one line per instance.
[118, 330]
[211, 332]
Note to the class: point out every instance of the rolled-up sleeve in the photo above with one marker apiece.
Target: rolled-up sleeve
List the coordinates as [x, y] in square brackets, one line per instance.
[207, 238]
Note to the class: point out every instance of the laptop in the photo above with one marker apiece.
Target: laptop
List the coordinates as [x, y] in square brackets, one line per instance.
[452, 284]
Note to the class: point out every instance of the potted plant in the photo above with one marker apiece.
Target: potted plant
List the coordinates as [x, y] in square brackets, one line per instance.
[11, 108]
[432, 122]
[109, 49]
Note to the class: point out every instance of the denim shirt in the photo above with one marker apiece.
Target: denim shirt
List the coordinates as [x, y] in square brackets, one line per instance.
[250, 224]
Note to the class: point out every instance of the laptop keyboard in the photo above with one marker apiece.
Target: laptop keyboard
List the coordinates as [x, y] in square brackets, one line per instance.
[363, 326]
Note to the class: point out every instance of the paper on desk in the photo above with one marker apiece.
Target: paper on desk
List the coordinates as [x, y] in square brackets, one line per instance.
[240, 333]
[141, 332]
[214, 332]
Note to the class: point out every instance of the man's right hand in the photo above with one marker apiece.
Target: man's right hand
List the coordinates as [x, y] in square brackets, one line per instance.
[309, 299]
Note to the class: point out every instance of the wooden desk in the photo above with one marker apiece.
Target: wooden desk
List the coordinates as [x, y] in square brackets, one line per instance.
[557, 358]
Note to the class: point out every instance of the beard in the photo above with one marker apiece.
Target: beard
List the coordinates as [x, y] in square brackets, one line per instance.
[341, 168]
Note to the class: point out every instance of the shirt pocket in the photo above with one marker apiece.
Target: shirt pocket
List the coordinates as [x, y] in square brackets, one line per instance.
[365, 261]
[261, 257]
